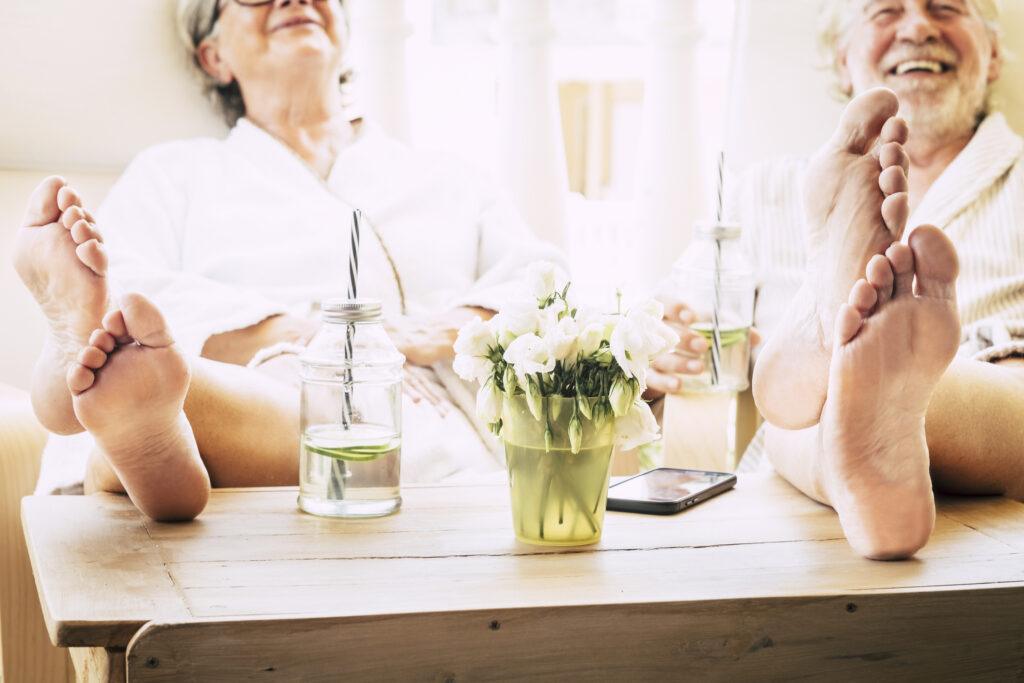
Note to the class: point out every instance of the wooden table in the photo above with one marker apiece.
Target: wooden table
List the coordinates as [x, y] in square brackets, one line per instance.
[757, 583]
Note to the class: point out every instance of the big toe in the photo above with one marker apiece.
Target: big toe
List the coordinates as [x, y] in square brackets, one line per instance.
[43, 208]
[864, 118]
[936, 265]
[144, 321]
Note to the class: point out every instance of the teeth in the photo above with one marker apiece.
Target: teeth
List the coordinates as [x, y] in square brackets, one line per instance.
[919, 65]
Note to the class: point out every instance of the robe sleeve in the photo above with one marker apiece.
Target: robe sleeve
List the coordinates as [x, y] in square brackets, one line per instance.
[506, 246]
[142, 222]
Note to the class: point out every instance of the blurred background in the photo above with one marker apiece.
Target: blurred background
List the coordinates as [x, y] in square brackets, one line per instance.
[602, 118]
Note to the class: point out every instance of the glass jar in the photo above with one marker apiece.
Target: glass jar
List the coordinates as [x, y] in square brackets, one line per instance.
[351, 414]
[714, 278]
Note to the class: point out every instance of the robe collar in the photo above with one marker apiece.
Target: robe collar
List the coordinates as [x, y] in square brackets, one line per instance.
[993, 150]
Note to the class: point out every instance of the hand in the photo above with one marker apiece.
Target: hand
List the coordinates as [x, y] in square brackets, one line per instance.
[686, 358]
[417, 385]
[239, 346]
[425, 340]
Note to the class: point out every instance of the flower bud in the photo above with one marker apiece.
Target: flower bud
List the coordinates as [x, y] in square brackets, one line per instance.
[621, 397]
[583, 404]
[508, 379]
[575, 434]
[548, 439]
[534, 400]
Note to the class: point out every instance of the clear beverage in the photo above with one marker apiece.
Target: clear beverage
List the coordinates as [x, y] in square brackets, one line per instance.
[350, 472]
[734, 359]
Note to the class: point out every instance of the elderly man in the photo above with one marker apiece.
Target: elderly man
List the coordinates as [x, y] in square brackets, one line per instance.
[867, 406]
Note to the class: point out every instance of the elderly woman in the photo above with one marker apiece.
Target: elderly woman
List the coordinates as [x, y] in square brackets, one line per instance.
[228, 246]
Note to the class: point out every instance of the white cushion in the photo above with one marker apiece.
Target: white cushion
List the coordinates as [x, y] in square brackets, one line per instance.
[87, 84]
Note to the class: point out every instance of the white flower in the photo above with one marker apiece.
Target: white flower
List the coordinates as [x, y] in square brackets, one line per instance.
[529, 355]
[514, 320]
[489, 403]
[594, 332]
[636, 427]
[473, 347]
[540, 279]
[639, 335]
[561, 339]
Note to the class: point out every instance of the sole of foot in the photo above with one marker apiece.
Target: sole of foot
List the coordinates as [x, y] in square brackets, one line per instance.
[59, 255]
[893, 340]
[128, 386]
[856, 205]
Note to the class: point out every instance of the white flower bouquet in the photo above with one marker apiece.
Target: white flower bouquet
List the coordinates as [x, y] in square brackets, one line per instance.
[561, 385]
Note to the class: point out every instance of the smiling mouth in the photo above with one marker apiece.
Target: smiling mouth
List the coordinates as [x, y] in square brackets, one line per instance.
[920, 66]
[298, 21]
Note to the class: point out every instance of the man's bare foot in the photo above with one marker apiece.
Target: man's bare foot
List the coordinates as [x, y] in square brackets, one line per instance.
[856, 206]
[893, 341]
[128, 386]
[59, 256]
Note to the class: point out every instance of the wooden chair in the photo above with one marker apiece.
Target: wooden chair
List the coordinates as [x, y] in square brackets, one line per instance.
[27, 652]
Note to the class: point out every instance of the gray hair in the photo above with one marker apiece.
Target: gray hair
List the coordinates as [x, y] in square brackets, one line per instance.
[834, 22]
[194, 26]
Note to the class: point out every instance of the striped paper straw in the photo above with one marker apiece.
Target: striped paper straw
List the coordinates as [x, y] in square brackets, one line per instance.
[336, 486]
[716, 333]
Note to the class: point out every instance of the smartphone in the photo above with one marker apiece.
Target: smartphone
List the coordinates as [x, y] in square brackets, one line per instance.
[666, 490]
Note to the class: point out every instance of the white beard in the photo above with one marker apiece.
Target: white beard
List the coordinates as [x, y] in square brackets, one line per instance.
[943, 111]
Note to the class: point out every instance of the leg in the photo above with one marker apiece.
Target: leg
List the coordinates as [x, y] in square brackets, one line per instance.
[856, 206]
[868, 458]
[246, 425]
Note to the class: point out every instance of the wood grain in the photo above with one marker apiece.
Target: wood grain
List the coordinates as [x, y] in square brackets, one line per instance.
[253, 571]
[862, 637]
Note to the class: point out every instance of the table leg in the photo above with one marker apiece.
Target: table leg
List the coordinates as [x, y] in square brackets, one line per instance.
[98, 664]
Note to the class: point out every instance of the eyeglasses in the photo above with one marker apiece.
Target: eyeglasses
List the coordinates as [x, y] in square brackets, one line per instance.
[244, 3]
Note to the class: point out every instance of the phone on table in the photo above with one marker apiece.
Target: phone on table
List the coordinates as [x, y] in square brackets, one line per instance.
[667, 490]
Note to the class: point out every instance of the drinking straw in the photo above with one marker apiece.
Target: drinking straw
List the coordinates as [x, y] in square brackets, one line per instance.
[337, 484]
[716, 333]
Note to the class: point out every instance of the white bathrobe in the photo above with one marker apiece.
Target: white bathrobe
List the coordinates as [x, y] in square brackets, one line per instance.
[221, 234]
[978, 201]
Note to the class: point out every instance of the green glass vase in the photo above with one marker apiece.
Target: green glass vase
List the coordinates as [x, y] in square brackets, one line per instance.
[558, 497]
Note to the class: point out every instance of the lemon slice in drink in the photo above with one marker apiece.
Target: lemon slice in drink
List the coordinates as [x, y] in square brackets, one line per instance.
[361, 443]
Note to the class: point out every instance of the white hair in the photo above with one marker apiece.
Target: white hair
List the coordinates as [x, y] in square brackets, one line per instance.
[834, 23]
[195, 24]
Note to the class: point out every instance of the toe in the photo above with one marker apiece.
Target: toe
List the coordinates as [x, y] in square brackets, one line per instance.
[935, 263]
[66, 198]
[893, 154]
[42, 205]
[892, 180]
[879, 274]
[901, 260]
[113, 323]
[93, 255]
[863, 119]
[83, 231]
[79, 378]
[848, 323]
[102, 340]
[72, 216]
[92, 357]
[895, 213]
[863, 296]
[895, 130]
[144, 321]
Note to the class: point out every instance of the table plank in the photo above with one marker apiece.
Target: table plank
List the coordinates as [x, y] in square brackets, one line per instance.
[253, 555]
[99, 575]
[873, 637]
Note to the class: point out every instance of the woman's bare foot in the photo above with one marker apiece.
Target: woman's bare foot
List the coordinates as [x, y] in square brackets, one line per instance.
[128, 386]
[893, 341]
[856, 206]
[59, 256]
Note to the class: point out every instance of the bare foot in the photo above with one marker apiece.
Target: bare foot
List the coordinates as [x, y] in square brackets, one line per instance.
[893, 341]
[128, 386]
[59, 256]
[856, 206]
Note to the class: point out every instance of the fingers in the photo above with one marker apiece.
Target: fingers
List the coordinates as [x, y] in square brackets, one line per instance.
[677, 364]
[678, 312]
[420, 389]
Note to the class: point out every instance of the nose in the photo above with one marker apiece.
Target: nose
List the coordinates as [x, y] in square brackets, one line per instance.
[917, 27]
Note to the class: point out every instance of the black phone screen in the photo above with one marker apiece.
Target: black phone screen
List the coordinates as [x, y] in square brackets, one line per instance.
[666, 485]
